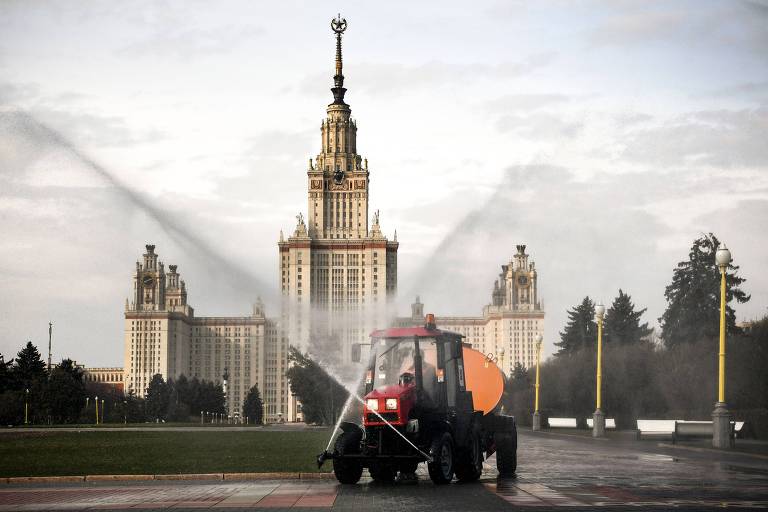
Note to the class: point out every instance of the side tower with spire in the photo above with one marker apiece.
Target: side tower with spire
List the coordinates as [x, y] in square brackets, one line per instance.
[338, 270]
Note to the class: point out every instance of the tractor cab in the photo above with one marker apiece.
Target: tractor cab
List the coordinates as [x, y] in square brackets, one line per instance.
[406, 375]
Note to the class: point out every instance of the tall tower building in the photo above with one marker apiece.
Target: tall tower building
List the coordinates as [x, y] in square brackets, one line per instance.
[338, 272]
[508, 327]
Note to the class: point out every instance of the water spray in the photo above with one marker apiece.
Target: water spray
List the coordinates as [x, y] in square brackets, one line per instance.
[44, 135]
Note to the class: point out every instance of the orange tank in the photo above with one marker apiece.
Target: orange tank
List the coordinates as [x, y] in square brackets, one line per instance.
[484, 379]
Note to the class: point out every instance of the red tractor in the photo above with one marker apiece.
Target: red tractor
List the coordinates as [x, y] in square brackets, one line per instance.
[428, 398]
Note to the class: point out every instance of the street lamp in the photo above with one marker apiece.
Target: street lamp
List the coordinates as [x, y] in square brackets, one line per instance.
[26, 406]
[536, 414]
[598, 418]
[721, 418]
[97, 410]
[102, 410]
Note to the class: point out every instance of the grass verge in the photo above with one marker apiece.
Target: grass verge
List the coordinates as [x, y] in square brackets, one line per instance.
[102, 453]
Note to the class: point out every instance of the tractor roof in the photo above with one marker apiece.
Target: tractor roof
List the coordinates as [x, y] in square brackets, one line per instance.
[412, 332]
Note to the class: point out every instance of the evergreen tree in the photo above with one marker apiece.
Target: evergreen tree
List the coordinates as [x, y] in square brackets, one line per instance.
[581, 330]
[622, 323]
[6, 374]
[693, 297]
[64, 395]
[158, 398]
[253, 407]
[28, 367]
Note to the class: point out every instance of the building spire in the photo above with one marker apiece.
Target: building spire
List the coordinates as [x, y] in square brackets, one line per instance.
[338, 25]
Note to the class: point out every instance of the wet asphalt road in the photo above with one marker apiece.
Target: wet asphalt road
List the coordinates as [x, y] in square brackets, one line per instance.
[554, 471]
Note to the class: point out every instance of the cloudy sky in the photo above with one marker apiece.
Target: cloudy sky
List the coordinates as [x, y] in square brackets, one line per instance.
[604, 135]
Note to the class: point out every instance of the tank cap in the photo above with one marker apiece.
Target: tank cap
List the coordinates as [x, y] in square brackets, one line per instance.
[430, 321]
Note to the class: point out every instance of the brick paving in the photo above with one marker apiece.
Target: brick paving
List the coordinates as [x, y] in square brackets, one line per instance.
[554, 472]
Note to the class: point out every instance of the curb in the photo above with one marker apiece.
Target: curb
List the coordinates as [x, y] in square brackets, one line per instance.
[169, 477]
[41, 479]
[711, 450]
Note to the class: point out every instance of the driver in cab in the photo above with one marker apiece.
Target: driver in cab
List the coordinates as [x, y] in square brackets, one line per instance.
[428, 372]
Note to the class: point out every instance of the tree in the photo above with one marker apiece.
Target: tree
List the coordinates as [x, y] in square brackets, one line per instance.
[64, 395]
[322, 398]
[581, 330]
[6, 375]
[693, 297]
[158, 398]
[622, 322]
[253, 407]
[179, 399]
[28, 367]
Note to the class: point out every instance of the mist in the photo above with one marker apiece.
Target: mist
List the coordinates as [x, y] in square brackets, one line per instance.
[587, 236]
[86, 227]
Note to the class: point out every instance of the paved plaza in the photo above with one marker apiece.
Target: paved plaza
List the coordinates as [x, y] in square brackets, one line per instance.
[554, 471]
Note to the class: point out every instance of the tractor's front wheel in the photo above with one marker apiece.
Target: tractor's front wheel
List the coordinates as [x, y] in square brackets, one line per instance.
[348, 471]
[442, 466]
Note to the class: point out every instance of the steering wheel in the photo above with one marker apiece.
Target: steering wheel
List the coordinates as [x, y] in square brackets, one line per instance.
[406, 378]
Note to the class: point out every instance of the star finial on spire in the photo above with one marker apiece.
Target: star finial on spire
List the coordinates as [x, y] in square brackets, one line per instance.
[338, 25]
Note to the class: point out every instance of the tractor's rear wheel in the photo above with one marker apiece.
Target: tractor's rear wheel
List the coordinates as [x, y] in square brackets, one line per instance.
[382, 473]
[470, 465]
[442, 466]
[348, 471]
[506, 452]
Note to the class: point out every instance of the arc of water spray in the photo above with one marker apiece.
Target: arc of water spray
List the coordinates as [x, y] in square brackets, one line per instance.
[172, 227]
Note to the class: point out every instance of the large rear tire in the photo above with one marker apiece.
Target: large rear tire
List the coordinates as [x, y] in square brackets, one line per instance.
[348, 471]
[470, 465]
[442, 466]
[506, 452]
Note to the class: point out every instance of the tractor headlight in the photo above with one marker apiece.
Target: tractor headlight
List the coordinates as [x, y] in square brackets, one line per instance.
[391, 404]
[372, 404]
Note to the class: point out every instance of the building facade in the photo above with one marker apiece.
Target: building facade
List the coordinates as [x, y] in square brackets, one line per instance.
[338, 272]
[163, 336]
[507, 329]
[108, 376]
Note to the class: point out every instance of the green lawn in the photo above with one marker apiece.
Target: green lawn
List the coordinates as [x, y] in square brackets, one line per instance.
[93, 452]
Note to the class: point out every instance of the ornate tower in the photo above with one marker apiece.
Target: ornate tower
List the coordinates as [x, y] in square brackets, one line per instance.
[149, 283]
[338, 180]
[338, 274]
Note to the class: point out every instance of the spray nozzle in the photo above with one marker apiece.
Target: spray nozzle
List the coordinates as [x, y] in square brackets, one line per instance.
[321, 459]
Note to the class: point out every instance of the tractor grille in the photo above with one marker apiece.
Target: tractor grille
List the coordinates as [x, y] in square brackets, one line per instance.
[389, 416]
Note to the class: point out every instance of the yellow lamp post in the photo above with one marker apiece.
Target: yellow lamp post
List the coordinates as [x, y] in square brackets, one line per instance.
[598, 418]
[721, 417]
[26, 406]
[97, 410]
[536, 414]
[102, 410]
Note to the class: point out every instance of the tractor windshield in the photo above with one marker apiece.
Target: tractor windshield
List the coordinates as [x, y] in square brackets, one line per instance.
[393, 362]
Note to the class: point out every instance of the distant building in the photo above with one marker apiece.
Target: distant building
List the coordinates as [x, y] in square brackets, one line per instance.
[108, 376]
[507, 329]
[163, 335]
